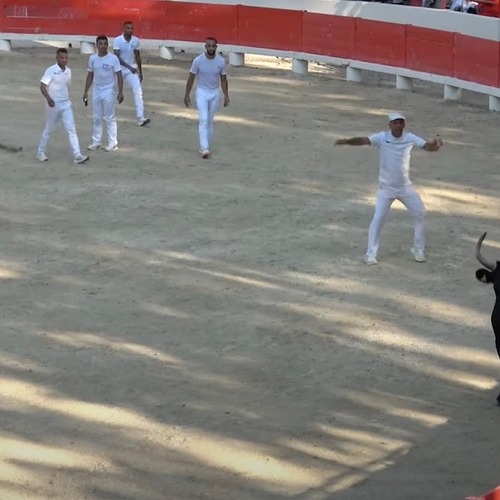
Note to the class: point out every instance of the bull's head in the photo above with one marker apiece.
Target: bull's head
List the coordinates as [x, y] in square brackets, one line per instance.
[484, 275]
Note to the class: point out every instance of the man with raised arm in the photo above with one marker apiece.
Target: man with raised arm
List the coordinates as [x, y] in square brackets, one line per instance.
[395, 147]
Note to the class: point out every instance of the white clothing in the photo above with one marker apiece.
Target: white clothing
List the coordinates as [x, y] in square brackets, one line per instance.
[57, 81]
[127, 53]
[127, 49]
[103, 104]
[395, 158]
[207, 102]
[385, 198]
[132, 80]
[208, 71]
[104, 69]
[60, 111]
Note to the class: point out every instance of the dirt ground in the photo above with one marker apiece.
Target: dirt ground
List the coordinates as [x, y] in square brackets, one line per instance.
[181, 329]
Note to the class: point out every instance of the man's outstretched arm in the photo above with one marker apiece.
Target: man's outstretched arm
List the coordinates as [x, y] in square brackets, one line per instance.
[353, 141]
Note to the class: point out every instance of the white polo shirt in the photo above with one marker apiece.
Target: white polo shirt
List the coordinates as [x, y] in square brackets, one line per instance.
[208, 71]
[395, 158]
[57, 82]
[104, 69]
[127, 49]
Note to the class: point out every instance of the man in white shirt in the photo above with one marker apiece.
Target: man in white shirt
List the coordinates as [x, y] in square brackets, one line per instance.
[126, 47]
[104, 71]
[209, 67]
[54, 86]
[395, 148]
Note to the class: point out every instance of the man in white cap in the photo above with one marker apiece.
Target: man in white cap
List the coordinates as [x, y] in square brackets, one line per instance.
[395, 148]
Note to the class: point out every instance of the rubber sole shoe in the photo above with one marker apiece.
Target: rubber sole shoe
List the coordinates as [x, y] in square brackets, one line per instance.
[94, 147]
[205, 154]
[81, 159]
[143, 122]
[42, 157]
[110, 149]
[419, 255]
[370, 260]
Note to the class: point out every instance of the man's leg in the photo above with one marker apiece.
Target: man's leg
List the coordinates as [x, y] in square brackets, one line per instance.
[97, 113]
[384, 201]
[52, 117]
[202, 105]
[109, 100]
[69, 124]
[213, 106]
[135, 84]
[412, 201]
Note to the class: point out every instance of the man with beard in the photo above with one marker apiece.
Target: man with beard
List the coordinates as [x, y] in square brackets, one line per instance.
[208, 67]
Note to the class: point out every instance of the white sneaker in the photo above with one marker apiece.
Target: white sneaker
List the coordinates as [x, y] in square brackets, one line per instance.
[370, 260]
[419, 255]
[205, 154]
[80, 159]
[41, 156]
[94, 147]
[111, 148]
[143, 121]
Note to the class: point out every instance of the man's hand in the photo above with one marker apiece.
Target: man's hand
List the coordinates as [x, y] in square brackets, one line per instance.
[50, 102]
[434, 145]
[133, 70]
[120, 97]
[187, 101]
[85, 99]
[226, 100]
[140, 77]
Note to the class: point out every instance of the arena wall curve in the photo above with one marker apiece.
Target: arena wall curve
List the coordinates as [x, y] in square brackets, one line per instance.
[456, 50]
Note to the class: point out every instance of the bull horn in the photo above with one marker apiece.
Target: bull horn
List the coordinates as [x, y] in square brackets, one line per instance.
[486, 263]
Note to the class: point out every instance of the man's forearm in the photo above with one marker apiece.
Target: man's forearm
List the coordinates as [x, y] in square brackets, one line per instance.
[43, 90]
[189, 84]
[139, 64]
[120, 82]
[225, 87]
[353, 141]
[88, 82]
[124, 64]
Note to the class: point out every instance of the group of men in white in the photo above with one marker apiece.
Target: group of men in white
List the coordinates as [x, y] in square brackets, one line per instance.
[107, 72]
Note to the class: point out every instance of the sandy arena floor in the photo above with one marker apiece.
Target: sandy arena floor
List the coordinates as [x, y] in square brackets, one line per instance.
[180, 329]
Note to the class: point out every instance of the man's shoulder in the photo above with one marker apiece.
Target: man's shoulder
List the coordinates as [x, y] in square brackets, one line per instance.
[135, 40]
[118, 39]
[51, 69]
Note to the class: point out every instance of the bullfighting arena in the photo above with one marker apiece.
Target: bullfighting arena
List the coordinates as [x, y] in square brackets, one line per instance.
[181, 329]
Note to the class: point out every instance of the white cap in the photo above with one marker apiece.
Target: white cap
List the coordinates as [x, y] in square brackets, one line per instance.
[396, 116]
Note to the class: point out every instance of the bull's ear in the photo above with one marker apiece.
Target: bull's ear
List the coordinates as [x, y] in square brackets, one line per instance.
[481, 273]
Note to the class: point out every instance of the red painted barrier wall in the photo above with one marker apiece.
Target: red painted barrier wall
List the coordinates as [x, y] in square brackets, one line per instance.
[428, 50]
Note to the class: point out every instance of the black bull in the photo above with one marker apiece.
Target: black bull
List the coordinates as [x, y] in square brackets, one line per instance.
[490, 273]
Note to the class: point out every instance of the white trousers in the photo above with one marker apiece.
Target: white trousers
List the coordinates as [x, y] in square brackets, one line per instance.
[385, 198]
[207, 102]
[61, 111]
[132, 80]
[103, 105]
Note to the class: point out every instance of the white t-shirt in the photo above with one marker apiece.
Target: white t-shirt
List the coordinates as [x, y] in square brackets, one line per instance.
[395, 158]
[104, 69]
[208, 71]
[57, 82]
[127, 49]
